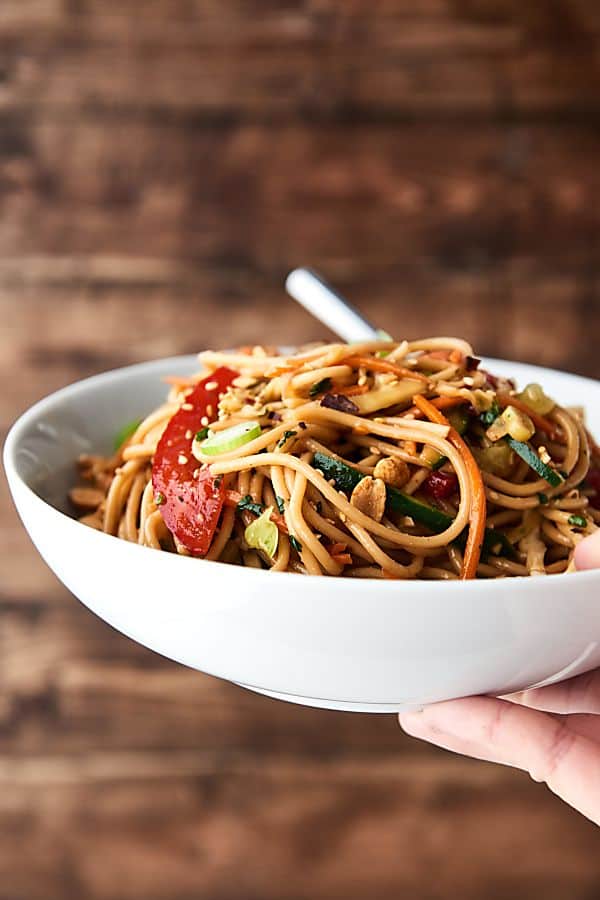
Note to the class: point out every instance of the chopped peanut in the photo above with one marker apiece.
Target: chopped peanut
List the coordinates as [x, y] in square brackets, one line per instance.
[369, 497]
[86, 499]
[393, 471]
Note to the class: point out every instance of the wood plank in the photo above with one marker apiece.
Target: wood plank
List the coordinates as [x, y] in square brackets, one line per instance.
[260, 60]
[263, 197]
[182, 825]
[72, 683]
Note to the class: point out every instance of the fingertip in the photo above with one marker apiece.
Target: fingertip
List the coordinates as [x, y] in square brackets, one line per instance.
[587, 553]
[412, 721]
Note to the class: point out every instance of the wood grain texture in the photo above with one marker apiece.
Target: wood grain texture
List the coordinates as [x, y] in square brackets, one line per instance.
[163, 163]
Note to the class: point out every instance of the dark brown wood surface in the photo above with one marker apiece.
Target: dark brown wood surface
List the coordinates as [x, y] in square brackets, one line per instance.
[163, 163]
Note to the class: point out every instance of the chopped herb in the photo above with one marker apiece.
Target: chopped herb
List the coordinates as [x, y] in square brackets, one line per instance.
[218, 481]
[125, 433]
[159, 499]
[295, 544]
[543, 498]
[286, 436]
[202, 434]
[247, 503]
[319, 387]
[488, 417]
[280, 503]
[340, 403]
[578, 521]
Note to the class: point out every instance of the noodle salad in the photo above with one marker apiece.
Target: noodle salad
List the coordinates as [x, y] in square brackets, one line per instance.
[371, 460]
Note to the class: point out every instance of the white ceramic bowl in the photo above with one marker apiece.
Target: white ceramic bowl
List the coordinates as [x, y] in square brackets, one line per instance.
[376, 646]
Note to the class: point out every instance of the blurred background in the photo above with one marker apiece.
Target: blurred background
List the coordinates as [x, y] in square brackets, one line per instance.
[163, 164]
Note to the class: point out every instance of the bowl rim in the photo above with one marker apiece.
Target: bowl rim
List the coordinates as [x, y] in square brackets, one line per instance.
[384, 586]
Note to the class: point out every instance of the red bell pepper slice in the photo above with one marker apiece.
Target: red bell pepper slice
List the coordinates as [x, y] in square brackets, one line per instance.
[190, 506]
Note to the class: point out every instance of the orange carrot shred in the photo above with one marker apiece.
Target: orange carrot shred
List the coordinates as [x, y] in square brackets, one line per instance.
[439, 403]
[351, 390]
[382, 365]
[477, 512]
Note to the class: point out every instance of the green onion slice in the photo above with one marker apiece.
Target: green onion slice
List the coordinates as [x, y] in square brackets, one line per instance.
[530, 456]
[125, 433]
[262, 534]
[230, 438]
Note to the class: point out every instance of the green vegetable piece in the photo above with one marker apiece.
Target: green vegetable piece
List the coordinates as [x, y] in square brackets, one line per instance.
[530, 456]
[230, 438]
[543, 498]
[125, 433]
[497, 459]
[280, 503]
[346, 478]
[295, 544]
[488, 417]
[285, 437]
[534, 397]
[202, 434]
[320, 387]
[248, 504]
[458, 418]
[578, 521]
[262, 534]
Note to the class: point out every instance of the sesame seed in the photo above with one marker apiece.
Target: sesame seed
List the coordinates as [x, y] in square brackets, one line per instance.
[182, 459]
[211, 385]
[196, 473]
[188, 435]
[187, 406]
[204, 421]
[199, 517]
[209, 409]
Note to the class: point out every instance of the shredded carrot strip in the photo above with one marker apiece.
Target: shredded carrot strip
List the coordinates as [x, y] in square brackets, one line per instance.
[439, 403]
[477, 513]
[539, 421]
[382, 365]
[351, 390]
[339, 547]
[344, 559]
[232, 498]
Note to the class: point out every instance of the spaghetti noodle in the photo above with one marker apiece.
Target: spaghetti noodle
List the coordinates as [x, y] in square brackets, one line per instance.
[381, 459]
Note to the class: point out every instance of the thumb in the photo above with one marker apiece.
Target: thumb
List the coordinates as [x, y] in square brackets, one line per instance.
[587, 553]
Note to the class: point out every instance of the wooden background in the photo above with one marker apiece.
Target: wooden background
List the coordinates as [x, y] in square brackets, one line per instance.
[163, 163]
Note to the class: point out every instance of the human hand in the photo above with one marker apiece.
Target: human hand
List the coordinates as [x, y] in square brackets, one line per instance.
[551, 732]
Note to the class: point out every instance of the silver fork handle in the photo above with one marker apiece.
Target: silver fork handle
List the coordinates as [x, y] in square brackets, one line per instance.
[319, 298]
